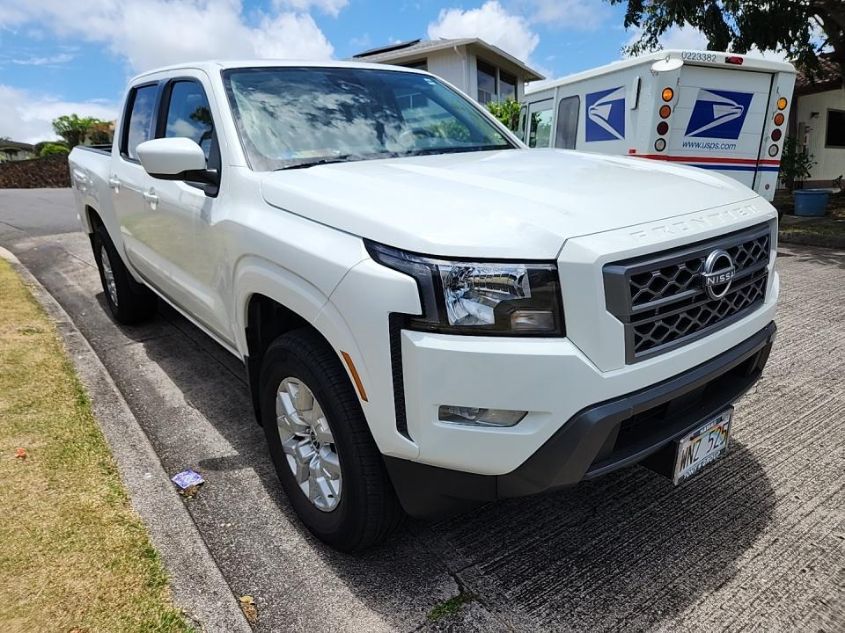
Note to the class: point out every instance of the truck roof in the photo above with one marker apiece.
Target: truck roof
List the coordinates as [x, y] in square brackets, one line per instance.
[216, 65]
[749, 63]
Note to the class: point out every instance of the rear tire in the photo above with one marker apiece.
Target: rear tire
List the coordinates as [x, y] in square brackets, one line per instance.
[129, 302]
[325, 440]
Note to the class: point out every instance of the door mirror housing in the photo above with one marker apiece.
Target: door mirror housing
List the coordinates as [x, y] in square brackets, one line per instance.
[176, 158]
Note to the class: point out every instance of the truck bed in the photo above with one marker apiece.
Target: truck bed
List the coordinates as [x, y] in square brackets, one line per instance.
[102, 149]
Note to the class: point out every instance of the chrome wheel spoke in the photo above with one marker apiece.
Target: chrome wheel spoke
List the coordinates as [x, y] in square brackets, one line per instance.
[308, 444]
[303, 456]
[287, 416]
[303, 399]
[108, 275]
[322, 430]
[330, 463]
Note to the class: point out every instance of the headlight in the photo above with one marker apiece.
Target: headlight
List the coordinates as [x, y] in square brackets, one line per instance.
[505, 298]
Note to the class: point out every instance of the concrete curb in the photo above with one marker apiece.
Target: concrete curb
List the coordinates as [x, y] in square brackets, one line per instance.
[197, 584]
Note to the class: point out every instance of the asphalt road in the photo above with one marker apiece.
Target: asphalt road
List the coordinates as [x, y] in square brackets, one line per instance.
[757, 543]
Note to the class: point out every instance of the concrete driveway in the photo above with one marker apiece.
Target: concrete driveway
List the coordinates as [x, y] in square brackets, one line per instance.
[757, 543]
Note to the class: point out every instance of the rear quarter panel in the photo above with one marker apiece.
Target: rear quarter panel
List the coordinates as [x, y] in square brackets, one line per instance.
[89, 174]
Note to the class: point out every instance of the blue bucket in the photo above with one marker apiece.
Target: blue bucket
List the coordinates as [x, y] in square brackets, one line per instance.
[811, 202]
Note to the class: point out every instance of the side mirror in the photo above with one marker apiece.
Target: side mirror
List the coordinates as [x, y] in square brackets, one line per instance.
[175, 158]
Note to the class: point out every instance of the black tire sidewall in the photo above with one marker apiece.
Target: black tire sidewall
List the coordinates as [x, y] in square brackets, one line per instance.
[135, 302]
[102, 241]
[280, 362]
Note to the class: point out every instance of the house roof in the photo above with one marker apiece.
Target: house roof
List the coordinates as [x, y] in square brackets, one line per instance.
[827, 77]
[407, 51]
[7, 144]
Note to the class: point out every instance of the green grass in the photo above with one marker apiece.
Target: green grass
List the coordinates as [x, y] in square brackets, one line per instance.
[73, 555]
[449, 607]
[828, 231]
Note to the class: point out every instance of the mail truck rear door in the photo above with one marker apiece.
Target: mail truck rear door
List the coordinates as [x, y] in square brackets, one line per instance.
[719, 119]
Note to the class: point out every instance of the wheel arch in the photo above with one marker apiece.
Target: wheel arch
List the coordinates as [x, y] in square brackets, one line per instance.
[274, 301]
[90, 219]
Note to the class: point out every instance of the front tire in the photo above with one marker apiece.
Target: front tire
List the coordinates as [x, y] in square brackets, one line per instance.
[324, 455]
[129, 302]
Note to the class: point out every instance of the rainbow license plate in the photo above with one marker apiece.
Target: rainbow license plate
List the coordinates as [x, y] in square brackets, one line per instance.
[703, 446]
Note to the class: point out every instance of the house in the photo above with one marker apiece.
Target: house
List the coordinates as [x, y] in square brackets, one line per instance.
[479, 69]
[817, 120]
[12, 150]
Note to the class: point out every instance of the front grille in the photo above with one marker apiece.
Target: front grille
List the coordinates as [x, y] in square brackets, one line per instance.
[661, 298]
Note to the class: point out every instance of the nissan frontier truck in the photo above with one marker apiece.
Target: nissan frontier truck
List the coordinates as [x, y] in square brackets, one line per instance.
[430, 314]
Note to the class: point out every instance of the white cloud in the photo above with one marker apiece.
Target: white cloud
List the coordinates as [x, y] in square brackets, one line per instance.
[28, 117]
[60, 58]
[361, 42]
[570, 14]
[772, 56]
[686, 37]
[149, 33]
[492, 23]
[690, 38]
[331, 7]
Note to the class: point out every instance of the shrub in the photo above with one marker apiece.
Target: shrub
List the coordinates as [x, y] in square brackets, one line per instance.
[506, 111]
[52, 149]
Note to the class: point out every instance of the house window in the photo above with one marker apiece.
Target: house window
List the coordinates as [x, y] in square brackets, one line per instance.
[494, 84]
[486, 83]
[835, 134]
[567, 122]
[507, 86]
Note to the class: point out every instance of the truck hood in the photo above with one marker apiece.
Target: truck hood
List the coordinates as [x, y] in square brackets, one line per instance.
[505, 204]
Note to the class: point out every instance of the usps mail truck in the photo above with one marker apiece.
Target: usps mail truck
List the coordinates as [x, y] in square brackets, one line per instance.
[713, 110]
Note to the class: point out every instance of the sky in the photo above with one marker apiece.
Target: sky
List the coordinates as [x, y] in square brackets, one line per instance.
[76, 56]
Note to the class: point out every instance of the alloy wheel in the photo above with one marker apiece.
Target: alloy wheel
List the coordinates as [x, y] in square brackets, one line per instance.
[308, 444]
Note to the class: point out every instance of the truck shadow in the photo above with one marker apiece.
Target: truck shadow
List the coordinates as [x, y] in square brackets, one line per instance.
[813, 254]
[626, 550]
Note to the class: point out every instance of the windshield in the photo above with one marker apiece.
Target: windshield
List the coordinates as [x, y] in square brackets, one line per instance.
[297, 117]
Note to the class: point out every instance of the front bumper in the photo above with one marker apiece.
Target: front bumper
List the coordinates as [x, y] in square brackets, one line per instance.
[598, 439]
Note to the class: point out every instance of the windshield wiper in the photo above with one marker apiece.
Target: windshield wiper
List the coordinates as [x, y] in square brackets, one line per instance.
[455, 150]
[313, 162]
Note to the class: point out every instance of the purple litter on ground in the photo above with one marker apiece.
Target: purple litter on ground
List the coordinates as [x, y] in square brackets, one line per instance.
[187, 478]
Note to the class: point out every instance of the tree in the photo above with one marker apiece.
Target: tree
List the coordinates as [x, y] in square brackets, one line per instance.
[506, 111]
[800, 28]
[52, 149]
[75, 129]
[100, 132]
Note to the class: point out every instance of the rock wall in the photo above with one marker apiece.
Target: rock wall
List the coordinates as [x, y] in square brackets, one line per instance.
[50, 171]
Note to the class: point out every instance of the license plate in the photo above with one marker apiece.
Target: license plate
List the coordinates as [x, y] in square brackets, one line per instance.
[702, 447]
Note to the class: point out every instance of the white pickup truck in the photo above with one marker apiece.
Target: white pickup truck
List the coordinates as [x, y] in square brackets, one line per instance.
[430, 314]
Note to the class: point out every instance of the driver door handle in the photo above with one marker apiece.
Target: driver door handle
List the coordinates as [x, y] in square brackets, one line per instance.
[151, 197]
[114, 183]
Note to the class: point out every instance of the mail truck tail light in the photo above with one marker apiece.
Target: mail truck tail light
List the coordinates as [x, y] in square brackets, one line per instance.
[665, 111]
[779, 118]
[734, 59]
[668, 94]
[782, 103]
[662, 128]
[776, 134]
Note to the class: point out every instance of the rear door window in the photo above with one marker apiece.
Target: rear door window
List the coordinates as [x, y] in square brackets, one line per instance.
[138, 127]
[567, 122]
